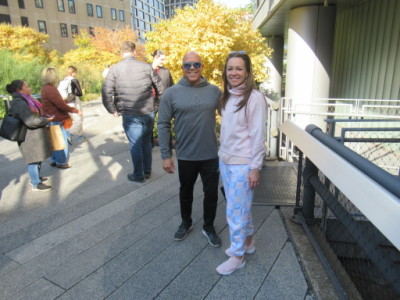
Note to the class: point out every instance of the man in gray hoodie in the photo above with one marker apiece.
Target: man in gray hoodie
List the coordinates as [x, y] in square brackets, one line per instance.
[192, 103]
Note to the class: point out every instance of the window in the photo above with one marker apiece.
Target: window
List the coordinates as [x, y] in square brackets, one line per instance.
[5, 19]
[25, 21]
[121, 16]
[42, 26]
[60, 5]
[113, 14]
[99, 11]
[63, 29]
[71, 6]
[39, 3]
[21, 4]
[4, 2]
[74, 30]
[89, 8]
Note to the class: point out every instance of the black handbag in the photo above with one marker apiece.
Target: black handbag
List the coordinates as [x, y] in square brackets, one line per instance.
[13, 129]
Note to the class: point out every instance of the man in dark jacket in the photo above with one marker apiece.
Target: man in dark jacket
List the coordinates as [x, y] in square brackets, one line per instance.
[127, 90]
[165, 75]
[159, 58]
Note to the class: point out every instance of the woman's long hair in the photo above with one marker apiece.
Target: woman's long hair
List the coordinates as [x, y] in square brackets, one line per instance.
[249, 83]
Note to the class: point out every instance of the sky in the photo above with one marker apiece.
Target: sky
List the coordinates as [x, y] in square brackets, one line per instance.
[234, 3]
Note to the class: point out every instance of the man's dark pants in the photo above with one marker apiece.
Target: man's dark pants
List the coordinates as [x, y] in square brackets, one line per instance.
[209, 173]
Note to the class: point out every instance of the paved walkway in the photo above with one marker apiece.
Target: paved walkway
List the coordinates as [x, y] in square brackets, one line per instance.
[96, 235]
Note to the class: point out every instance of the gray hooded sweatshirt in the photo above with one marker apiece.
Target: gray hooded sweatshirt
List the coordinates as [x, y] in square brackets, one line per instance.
[193, 110]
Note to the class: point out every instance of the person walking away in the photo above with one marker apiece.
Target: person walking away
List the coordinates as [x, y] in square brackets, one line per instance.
[70, 89]
[159, 58]
[127, 90]
[36, 147]
[54, 105]
[241, 154]
[192, 102]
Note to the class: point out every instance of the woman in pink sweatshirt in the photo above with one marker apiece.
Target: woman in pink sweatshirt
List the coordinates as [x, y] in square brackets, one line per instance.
[241, 153]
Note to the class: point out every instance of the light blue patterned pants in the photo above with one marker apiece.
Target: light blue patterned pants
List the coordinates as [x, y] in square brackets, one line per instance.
[239, 197]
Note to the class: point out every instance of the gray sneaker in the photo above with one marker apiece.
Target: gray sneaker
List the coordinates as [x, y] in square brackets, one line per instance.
[213, 238]
[182, 232]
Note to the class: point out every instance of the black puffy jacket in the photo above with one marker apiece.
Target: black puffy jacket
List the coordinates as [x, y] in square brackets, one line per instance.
[128, 86]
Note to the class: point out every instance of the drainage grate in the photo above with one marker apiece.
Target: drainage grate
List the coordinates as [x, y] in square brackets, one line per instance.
[277, 186]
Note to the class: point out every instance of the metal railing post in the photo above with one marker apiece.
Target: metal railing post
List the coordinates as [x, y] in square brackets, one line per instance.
[310, 170]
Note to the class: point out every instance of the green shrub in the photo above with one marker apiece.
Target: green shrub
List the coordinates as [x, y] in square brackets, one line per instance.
[12, 68]
[90, 96]
[2, 109]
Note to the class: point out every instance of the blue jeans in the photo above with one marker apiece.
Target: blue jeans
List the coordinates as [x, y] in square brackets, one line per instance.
[34, 173]
[139, 130]
[60, 157]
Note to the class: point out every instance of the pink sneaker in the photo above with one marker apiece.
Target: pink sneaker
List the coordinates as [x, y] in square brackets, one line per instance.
[249, 249]
[230, 266]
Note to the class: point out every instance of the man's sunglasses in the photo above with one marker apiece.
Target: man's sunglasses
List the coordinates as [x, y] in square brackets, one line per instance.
[195, 65]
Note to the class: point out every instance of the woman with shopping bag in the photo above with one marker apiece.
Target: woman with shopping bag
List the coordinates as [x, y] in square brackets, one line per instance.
[36, 146]
[54, 104]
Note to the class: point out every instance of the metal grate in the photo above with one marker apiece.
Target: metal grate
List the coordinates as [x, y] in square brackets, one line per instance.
[277, 186]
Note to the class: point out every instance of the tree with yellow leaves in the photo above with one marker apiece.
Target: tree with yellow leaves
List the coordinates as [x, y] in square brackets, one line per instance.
[26, 43]
[102, 47]
[212, 30]
[95, 51]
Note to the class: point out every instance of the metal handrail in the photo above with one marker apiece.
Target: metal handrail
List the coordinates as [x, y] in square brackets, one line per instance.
[374, 200]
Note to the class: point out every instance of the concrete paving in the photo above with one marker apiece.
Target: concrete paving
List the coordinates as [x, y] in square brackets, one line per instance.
[96, 235]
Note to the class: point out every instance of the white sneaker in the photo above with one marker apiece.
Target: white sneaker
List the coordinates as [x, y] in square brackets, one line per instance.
[231, 265]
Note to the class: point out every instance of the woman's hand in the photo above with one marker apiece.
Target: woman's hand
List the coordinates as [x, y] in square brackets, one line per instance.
[168, 165]
[80, 113]
[254, 178]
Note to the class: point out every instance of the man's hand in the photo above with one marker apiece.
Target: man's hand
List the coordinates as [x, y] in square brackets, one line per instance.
[168, 165]
[115, 114]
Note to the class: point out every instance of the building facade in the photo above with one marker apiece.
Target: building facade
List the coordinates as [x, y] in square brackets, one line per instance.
[172, 5]
[62, 19]
[145, 13]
